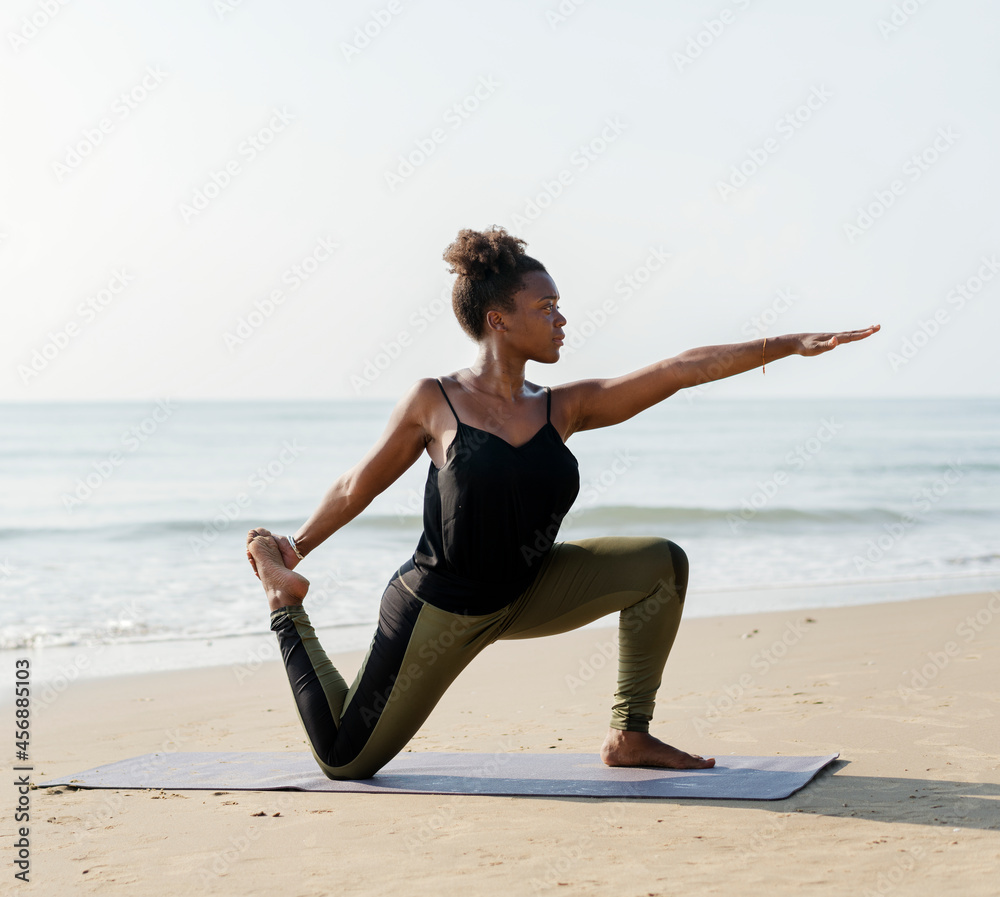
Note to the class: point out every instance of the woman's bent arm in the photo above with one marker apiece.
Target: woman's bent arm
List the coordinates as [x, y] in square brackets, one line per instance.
[399, 446]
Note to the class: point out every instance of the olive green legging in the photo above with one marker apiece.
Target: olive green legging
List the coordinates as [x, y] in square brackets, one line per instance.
[418, 650]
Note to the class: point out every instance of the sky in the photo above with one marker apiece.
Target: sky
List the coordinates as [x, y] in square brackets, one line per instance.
[240, 200]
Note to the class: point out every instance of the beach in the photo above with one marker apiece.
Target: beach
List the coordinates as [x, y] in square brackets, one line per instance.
[908, 692]
[238, 248]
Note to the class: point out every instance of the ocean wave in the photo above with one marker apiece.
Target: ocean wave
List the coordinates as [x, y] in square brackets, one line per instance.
[98, 637]
[610, 515]
[597, 515]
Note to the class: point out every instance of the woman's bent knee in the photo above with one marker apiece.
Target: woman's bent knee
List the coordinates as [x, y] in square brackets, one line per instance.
[679, 561]
[671, 565]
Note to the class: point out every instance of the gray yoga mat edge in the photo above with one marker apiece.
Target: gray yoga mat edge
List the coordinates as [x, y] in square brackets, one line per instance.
[502, 774]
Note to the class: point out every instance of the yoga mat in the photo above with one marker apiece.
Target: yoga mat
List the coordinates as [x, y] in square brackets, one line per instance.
[503, 774]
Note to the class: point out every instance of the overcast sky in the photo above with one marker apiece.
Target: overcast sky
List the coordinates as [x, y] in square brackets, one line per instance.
[250, 199]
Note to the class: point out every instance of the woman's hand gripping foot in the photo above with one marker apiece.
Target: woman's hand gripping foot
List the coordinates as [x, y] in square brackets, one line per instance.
[288, 556]
[283, 587]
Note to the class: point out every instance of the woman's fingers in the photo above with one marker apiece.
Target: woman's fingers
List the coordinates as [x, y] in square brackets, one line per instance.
[851, 335]
[826, 341]
[817, 343]
[250, 536]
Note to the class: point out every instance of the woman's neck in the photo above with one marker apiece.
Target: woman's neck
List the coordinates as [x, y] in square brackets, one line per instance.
[497, 376]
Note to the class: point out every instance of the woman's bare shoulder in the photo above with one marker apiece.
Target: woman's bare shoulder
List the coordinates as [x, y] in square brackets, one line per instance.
[421, 396]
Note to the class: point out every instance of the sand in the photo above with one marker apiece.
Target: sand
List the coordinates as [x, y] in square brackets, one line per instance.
[907, 692]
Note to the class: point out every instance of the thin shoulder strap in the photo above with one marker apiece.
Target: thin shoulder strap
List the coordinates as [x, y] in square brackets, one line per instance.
[452, 407]
[548, 405]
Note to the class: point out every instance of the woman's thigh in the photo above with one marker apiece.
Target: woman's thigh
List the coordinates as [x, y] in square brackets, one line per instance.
[586, 579]
[416, 654]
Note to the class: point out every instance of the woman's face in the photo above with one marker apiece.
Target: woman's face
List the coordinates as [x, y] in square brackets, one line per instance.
[536, 327]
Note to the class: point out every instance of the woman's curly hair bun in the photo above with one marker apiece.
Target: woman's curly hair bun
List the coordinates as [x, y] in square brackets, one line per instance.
[490, 265]
[478, 254]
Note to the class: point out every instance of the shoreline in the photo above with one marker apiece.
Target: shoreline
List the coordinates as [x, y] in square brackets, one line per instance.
[59, 665]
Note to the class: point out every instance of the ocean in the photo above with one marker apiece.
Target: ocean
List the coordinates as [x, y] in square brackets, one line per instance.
[123, 524]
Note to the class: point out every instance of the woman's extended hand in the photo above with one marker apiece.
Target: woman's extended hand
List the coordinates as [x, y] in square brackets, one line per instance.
[817, 343]
[288, 556]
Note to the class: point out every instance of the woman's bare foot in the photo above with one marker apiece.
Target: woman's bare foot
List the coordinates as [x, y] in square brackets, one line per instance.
[622, 748]
[288, 557]
[284, 587]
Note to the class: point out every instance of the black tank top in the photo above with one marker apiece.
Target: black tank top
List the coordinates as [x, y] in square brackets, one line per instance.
[491, 514]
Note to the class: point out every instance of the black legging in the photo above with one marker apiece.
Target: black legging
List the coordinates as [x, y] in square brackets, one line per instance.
[419, 649]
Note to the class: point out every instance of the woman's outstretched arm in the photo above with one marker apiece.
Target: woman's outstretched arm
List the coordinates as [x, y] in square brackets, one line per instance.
[603, 403]
[386, 461]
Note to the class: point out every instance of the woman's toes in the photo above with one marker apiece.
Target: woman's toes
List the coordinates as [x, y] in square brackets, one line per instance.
[263, 547]
[257, 531]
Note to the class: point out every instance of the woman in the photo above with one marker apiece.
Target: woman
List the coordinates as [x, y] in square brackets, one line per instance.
[487, 565]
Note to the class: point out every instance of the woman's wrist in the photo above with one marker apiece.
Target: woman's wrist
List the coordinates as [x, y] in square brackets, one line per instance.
[296, 547]
[791, 343]
[781, 346]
